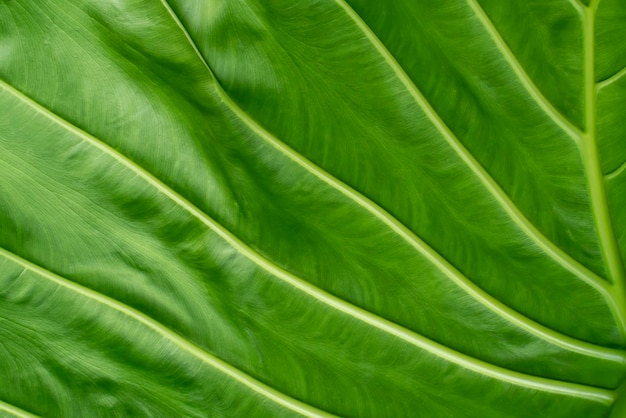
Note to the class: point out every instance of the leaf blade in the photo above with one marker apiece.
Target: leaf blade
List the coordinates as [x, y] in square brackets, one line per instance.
[236, 176]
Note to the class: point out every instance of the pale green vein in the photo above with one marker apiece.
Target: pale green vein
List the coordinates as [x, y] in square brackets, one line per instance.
[171, 336]
[604, 83]
[523, 77]
[15, 410]
[478, 366]
[489, 182]
[412, 239]
[595, 178]
[577, 4]
[613, 174]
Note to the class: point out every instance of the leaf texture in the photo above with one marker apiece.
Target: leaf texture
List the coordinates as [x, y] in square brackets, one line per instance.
[329, 207]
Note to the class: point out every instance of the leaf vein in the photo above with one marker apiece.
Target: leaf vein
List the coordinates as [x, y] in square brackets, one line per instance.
[595, 178]
[619, 170]
[18, 412]
[610, 80]
[557, 117]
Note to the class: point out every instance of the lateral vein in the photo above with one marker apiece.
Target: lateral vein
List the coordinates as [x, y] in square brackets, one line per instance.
[18, 412]
[186, 345]
[577, 5]
[612, 79]
[410, 237]
[556, 116]
[419, 341]
[616, 172]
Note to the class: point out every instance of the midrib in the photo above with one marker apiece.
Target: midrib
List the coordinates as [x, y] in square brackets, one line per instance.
[595, 177]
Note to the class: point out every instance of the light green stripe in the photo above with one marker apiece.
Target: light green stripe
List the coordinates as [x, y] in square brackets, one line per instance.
[595, 177]
[15, 410]
[523, 77]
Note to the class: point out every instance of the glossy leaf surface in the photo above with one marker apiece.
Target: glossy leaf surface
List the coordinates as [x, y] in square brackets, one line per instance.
[324, 207]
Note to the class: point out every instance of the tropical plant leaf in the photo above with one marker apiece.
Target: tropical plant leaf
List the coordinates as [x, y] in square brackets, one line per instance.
[324, 207]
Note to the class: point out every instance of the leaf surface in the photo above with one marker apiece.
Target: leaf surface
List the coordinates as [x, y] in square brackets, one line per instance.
[277, 208]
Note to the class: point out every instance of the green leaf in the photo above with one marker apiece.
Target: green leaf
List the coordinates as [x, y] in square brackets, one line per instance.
[325, 207]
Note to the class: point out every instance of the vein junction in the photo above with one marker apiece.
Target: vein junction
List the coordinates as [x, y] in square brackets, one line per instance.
[593, 170]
